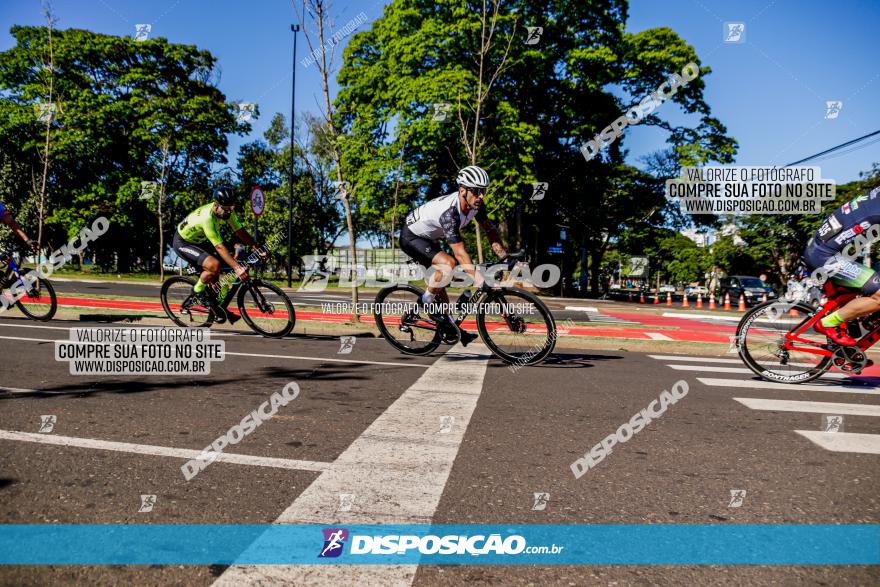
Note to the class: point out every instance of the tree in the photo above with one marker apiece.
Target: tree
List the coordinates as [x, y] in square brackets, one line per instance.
[122, 101]
[546, 100]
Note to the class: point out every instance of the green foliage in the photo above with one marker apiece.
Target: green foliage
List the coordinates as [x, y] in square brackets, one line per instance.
[547, 100]
[119, 102]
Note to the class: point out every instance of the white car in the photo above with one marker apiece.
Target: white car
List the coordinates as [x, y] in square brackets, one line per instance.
[696, 289]
[666, 288]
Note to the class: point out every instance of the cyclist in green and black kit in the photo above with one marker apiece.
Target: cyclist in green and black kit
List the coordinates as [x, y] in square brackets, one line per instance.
[199, 229]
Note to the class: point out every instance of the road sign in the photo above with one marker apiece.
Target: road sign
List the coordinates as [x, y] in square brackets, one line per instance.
[258, 201]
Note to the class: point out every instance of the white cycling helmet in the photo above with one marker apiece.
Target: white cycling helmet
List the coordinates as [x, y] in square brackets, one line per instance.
[473, 177]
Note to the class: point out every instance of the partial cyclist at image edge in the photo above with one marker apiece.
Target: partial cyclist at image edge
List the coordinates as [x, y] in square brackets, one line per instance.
[198, 230]
[443, 218]
[7, 219]
[825, 249]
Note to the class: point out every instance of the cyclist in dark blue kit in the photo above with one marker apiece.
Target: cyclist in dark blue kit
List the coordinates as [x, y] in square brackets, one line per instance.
[6, 218]
[826, 248]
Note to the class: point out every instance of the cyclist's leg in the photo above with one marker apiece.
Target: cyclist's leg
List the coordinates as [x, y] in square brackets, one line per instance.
[198, 257]
[857, 276]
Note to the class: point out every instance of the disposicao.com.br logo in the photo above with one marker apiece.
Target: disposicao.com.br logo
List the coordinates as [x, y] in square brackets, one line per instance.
[450, 544]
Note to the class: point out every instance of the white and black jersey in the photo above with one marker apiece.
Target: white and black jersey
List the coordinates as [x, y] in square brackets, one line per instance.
[442, 218]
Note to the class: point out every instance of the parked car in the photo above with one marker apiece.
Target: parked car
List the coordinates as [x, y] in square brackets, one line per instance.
[666, 288]
[749, 286]
[693, 290]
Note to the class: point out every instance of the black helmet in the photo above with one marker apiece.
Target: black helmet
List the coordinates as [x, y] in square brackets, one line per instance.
[225, 196]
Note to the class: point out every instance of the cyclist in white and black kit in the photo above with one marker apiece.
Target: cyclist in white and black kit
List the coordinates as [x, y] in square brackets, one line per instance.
[443, 218]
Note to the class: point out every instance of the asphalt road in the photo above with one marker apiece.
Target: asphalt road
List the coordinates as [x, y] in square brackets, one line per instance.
[449, 438]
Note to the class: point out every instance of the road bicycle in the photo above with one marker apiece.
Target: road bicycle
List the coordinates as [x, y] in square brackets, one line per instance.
[776, 339]
[39, 302]
[515, 325]
[263, 305]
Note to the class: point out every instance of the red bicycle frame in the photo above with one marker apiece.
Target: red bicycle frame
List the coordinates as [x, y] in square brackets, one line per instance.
[837, 297]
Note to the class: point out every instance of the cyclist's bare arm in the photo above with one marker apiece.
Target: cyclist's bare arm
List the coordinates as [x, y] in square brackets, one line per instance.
[7, 220]
[494, 238]
[230, 260]
[245, 237]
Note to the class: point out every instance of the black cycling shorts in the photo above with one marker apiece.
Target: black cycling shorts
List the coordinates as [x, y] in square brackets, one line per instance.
[421, 249]
[194, 254]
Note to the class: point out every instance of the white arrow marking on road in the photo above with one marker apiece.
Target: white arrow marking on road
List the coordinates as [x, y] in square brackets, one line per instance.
[160, 451]
[397, 470]
[778, 405]
[756, 384]
[844, 441]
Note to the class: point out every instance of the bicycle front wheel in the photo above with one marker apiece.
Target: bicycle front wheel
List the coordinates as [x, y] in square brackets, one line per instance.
[266, 308]
[180, 305]
[761, 338]
[39, 303]
[402, 324]
[516, 326]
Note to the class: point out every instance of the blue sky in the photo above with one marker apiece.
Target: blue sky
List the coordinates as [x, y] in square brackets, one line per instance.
[770, 91]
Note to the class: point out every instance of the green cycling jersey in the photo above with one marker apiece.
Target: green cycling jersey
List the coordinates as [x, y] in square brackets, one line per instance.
[201, 225]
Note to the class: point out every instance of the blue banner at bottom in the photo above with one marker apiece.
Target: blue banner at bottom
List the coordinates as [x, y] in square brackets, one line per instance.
[605, 544]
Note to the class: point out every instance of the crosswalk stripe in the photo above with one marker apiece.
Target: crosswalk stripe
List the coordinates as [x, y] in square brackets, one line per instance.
[398, 469]
[844, 441]
[745, 370]
[756, 384]
[657, 336]
[778, 405]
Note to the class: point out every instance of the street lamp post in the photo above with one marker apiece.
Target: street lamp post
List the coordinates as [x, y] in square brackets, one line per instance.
[295, 29]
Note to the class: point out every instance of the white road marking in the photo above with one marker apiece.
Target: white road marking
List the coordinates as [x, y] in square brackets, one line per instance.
[694, 359]
[330, 360]
[756, 384]
[18, 390]
[744, 370]
[294, 357]
[582, 308]
[396, 469]
[657, 336]
[694, 316]
[844, 441]
[778, 405]
[161, 451]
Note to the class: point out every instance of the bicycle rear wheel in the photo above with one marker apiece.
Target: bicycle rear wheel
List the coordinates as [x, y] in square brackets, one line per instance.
[180, 304]
[516, 326]
[39, 303]
[266, 308]
[760, 339]
[402, 324]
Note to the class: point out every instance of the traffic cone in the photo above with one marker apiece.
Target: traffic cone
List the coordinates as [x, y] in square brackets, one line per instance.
[668, 299]
[727, 301]
[657, 299]
[699, 300]
[742, 303]
[684, 301]
[764, 298]
[642, 298]
[712, 300]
